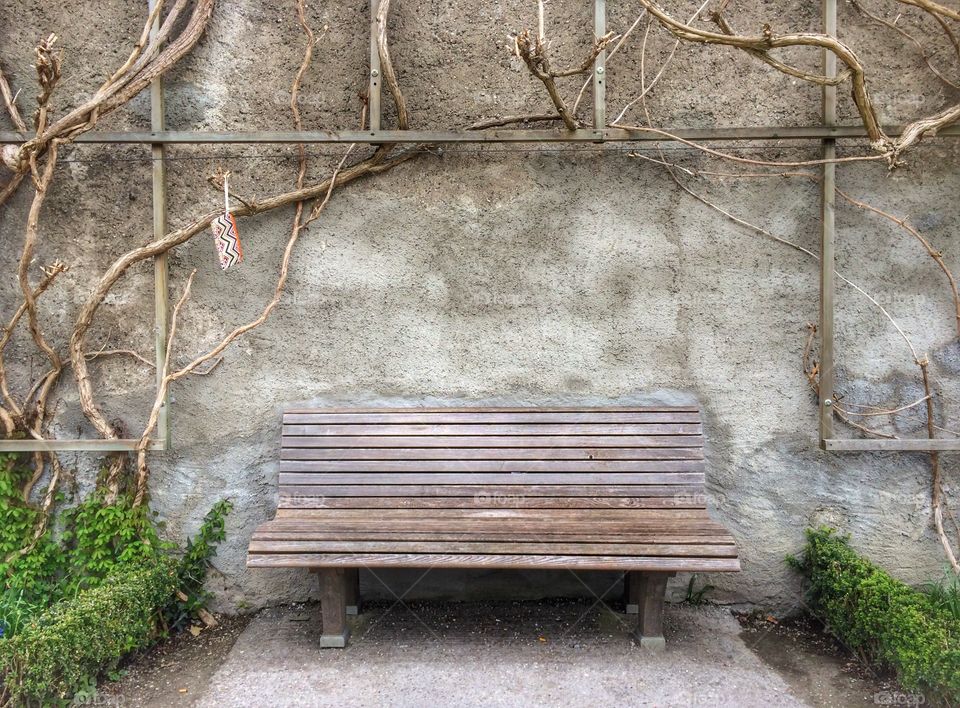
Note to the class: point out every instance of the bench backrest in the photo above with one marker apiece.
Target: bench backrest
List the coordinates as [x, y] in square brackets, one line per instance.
[492, 458]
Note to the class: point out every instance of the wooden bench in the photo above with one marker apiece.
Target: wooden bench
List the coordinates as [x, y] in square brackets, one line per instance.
[568, 488]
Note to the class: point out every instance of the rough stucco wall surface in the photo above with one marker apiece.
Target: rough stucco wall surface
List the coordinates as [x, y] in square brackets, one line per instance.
[514, 275]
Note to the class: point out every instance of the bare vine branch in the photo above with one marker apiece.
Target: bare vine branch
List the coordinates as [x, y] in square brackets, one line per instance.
[533, 51]
[42, 182]
[386, 66]
[373, 165]
[50, 275]
[10, 101]
[511, 120]
[148, 63]
[936, 255]
[753, 44]
[770, 40]
[910, 38]
[936, 483]
[278, 290]
[160, 398]
[763, 55]
[934, 8]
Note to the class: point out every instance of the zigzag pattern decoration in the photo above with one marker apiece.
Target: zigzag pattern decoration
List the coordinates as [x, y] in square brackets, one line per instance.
[227, 239]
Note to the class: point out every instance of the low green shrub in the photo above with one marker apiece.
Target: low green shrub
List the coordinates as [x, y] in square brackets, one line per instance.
[63, 648]
[97, 584]
[882, 618]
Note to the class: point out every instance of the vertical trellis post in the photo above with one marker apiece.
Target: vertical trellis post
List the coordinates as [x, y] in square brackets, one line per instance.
[161, 280]
[828, 232]
[373, 105]
[599, 67]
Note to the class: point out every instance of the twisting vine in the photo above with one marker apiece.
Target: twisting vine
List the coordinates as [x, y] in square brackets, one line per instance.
[34, 162]
[759, 48]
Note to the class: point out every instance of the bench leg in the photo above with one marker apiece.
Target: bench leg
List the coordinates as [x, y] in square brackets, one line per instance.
[631, 592]
[651, 588]
[353, 591]
[333, 605]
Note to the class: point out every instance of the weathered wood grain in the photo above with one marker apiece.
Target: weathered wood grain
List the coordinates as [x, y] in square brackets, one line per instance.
[481, 490]
[582, 488]
[506, 478]
[496, 441]
[490, 500]
[474, 466]
[476, 547]
[414, 417]
[438, 560]
[290, 451]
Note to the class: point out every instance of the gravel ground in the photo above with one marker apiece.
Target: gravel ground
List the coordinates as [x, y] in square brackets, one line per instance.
[817, 668]
[553, 653]
[175, 672]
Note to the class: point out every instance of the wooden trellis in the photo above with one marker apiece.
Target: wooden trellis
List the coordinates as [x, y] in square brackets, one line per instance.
[828, 133]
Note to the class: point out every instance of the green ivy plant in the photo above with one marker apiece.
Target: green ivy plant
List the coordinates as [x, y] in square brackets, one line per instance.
[193, 566]
[97, 584]
[29, 579]
[99, 537]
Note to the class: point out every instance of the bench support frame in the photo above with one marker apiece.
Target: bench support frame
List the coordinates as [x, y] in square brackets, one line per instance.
[333, 604]
[645, 593]
[648, 590]
[631, 593]
[353, 591]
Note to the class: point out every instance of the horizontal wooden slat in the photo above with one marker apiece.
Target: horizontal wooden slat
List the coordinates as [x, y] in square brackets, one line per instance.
[485, 441]
[469, 490]
[481, 416]
[319, 521]
[556, 547]
[291, 451]
[544, 518]
[473, 410]
[501, 466]
[333, 529]
[564, 430]
[306, 478]
[492, 500]
[437, 560]
[690, 536]
[654, 536]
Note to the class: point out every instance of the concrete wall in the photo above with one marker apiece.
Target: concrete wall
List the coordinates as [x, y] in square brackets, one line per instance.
[518, 275]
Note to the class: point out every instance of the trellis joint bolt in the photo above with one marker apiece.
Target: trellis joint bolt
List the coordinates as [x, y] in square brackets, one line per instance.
[827, 402]
[599, 69]
[374, 73]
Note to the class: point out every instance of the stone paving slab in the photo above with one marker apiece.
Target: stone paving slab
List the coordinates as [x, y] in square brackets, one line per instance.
[565, 653]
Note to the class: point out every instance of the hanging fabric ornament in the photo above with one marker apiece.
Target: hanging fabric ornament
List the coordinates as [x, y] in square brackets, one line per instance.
[225, 234]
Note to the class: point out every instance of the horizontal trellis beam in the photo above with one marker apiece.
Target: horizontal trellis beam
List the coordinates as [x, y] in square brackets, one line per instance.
[895, 445]
[87, 445]
[585, 135]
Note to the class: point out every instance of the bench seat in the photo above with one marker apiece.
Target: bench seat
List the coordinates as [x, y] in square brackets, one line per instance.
[564, 488]
[601, 539]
